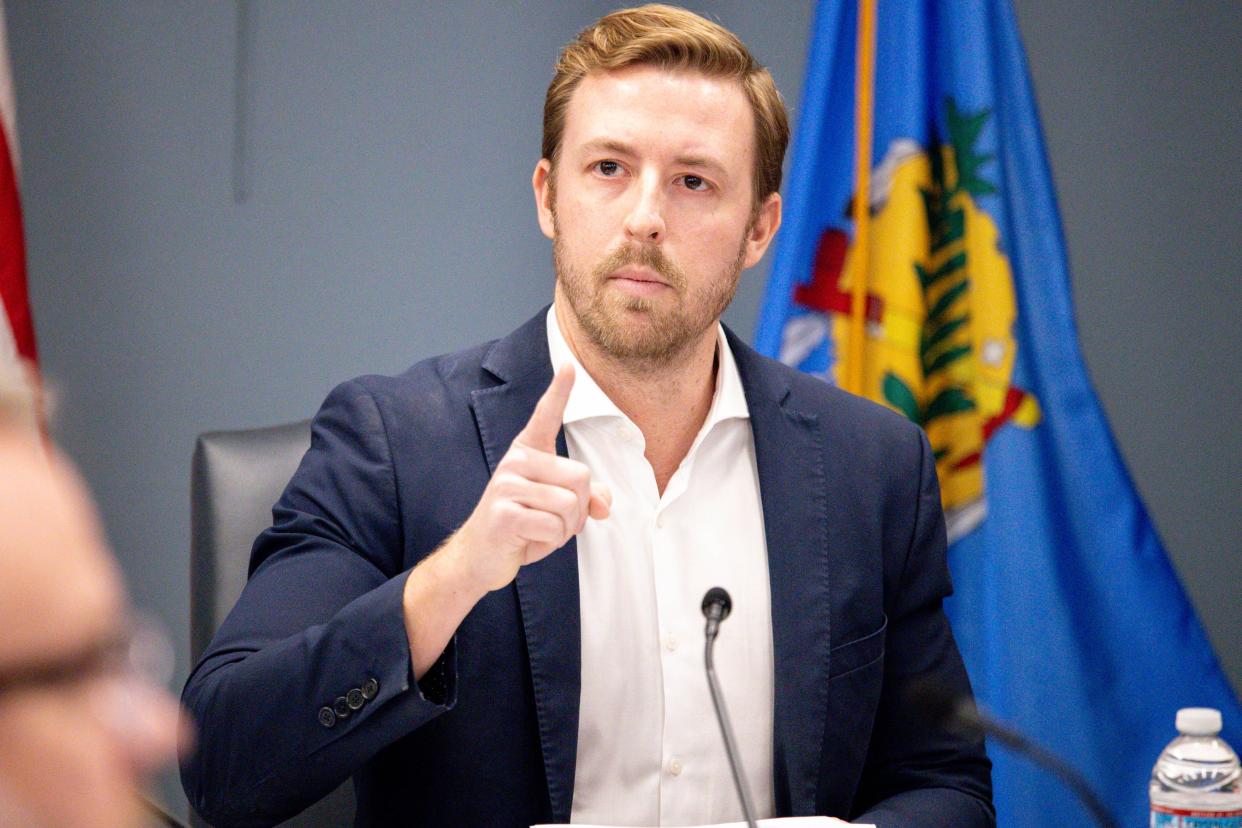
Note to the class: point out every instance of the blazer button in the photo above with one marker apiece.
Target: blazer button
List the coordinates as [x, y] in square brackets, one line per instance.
[341, 707]
[370, 689]
[354, 699]
[326, 717]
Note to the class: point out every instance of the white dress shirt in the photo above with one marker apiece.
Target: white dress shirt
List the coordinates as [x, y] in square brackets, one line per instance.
[649, 748]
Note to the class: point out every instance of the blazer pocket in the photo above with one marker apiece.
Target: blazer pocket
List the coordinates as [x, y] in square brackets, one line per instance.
[857, 653]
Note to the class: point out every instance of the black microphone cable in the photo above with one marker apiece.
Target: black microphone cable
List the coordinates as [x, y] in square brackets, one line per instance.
[961, 713]
[716, 608]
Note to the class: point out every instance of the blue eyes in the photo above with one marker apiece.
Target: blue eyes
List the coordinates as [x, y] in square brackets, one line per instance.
[611, 169]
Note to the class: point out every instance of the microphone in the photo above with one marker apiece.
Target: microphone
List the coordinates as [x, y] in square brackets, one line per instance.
[716, 608]
[960, 713]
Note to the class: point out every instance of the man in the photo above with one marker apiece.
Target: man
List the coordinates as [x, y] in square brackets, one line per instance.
[79, 731]
[541, 661]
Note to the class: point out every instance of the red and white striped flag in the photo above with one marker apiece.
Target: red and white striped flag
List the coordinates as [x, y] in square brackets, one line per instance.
[18, 356]
[17, 331]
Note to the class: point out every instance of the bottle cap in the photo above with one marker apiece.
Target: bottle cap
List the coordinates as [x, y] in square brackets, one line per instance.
[1198, 721]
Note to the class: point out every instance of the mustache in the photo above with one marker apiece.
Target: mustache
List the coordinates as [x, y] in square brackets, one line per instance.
[652, 258]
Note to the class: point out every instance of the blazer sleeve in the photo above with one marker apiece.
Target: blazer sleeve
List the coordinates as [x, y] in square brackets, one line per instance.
[309, 676]
[917, 773]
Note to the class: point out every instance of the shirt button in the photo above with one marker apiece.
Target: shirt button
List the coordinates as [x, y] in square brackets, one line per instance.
[674, 766]
[622, 434]
[660, 521]
[670, 643]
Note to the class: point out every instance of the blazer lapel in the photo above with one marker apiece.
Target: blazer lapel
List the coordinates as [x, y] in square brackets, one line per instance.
[547, 590]
[789, 452]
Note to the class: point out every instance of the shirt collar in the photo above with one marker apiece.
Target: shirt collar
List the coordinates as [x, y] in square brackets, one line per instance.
[587, 399]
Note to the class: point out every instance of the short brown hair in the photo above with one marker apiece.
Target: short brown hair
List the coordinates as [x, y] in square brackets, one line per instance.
[672, 38]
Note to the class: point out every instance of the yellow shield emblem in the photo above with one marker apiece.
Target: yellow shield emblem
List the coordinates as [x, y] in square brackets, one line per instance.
[940, 309]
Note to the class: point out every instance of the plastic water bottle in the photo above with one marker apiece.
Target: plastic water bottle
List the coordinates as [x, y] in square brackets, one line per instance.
[1197, 782]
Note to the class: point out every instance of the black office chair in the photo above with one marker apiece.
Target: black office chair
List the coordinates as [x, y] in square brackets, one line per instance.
[236, 477]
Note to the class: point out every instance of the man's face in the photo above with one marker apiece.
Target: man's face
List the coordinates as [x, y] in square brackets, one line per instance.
[651, 209]
[76, 748]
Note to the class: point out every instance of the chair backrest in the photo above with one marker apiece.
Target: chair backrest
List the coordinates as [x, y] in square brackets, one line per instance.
[236, 477]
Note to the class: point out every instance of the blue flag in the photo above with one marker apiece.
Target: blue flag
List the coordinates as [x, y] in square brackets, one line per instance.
[954, 308]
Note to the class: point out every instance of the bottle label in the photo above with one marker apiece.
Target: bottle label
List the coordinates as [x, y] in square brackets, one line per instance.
[1163, 817]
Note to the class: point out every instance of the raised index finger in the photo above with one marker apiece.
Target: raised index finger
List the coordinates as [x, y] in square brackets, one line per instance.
[543, 426]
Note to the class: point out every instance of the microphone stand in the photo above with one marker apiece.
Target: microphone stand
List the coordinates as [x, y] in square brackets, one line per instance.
[716, 608]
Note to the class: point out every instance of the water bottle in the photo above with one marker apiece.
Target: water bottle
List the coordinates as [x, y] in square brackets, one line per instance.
[1197, 782]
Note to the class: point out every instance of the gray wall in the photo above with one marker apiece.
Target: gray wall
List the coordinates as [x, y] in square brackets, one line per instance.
[390, 218]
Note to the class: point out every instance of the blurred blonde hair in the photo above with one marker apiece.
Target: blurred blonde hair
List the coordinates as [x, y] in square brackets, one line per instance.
[672, 39]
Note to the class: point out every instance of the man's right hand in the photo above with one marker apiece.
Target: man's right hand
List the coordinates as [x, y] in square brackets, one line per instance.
[534, 503]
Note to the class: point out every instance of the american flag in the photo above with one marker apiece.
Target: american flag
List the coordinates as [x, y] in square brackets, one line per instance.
[18, 355]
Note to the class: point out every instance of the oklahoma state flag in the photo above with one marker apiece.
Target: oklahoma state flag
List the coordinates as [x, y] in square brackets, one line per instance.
[922, 265]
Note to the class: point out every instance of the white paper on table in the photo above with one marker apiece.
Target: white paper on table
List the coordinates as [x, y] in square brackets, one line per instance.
[782, 822]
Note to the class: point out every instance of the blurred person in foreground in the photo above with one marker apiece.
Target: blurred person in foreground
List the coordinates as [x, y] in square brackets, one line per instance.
[80, 731]
[480, 593]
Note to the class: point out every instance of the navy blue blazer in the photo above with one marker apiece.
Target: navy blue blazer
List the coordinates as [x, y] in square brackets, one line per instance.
[856, 555]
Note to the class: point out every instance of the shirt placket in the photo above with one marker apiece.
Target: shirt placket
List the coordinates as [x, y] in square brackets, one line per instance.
[669, 565]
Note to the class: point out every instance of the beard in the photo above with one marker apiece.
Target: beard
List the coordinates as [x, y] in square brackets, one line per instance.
[637, 330]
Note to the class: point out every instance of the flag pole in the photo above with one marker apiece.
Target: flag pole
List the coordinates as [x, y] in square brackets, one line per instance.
[864, 110]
